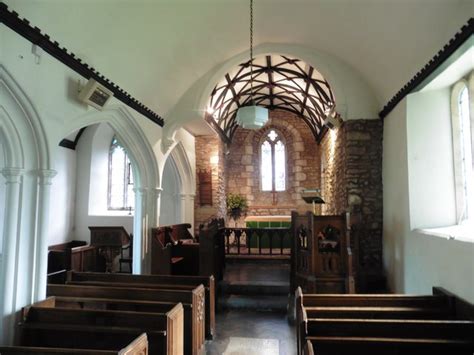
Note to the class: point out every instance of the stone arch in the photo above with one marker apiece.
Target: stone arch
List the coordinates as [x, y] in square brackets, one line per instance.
[172, 197]
[188, 182]
[28, 176]
[145, 170]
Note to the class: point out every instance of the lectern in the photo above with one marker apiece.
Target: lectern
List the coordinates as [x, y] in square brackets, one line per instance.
[312, 196]
[109, 242]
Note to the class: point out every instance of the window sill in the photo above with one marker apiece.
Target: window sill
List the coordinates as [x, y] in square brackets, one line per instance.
[113, 214]
[461, 232]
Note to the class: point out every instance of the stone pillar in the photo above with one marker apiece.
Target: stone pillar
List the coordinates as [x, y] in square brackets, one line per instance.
[41, 251]
[138, 232]
[13, 177]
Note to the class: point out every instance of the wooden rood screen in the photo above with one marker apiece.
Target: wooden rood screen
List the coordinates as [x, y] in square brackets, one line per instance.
[322, 260]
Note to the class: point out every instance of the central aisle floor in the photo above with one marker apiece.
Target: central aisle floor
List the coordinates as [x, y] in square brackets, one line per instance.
[245, 332]
[244, 325]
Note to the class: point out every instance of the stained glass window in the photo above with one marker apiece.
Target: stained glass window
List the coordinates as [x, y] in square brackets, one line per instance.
[120, 191]
[273, 163]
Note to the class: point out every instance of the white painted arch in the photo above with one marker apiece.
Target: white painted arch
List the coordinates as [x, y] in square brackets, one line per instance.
[145, 172]
[187, 181]
[28, 176]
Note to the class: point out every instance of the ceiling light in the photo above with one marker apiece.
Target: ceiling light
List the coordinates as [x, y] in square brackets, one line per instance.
[253, 116]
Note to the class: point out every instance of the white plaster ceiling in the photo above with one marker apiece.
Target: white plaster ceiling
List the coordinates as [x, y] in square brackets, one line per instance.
[157, 49]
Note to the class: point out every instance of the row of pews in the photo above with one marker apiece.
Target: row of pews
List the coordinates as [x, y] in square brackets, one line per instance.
[381, 324]
[101, 313]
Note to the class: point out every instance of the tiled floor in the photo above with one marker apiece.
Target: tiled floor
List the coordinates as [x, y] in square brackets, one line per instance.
[257, 272]
[252, 325]
[251, 332]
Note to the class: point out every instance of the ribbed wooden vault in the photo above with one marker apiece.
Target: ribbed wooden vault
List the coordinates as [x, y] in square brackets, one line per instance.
[279, 82]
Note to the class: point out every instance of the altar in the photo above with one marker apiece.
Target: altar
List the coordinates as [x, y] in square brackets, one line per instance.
[268, 221]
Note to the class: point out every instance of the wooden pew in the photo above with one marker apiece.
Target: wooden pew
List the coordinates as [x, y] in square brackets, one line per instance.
[384, 336]
[139, 346]
[160, 281]
[369, 307]
[385, 346]
[74, 255]
[163, 262]
[194, 315]
[169, 323]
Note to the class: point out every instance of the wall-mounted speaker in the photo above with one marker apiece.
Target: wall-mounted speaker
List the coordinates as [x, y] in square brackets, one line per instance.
[95, 94]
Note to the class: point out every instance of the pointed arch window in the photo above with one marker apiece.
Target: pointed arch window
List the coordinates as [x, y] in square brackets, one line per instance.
[120, 189]
[273, 163]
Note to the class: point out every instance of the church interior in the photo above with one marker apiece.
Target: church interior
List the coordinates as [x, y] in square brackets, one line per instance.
[236, 177]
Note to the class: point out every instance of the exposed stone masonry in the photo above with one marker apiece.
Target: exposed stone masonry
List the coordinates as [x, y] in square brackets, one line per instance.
[347, 166]
[302, 158]
[206, 148]
[352, 180]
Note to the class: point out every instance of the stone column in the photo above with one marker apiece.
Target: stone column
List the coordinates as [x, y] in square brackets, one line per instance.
[45, 178]
[13, 177]
[139, 221]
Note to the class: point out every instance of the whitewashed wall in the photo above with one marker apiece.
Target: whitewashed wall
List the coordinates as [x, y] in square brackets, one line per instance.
[415, 262]
[63, 198]
[2, 198]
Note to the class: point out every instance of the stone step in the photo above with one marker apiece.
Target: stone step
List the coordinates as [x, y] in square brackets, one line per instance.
[260, 259]
[256, 288]
[256, 303]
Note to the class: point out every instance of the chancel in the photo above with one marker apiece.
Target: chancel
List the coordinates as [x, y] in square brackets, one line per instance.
[238, 177]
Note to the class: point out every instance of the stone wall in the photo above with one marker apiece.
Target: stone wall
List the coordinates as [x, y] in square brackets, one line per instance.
[364, 186]
[210, 156]
[333, 178]
[351, 159]
[302, 165]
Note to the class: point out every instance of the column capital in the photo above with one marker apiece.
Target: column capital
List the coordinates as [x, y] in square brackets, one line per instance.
[156, 191]
[187, 195]
[140, 190]
[46, 176]
[13, 175]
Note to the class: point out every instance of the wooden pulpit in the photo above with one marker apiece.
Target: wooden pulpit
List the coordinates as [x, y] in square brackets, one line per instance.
[109, 242]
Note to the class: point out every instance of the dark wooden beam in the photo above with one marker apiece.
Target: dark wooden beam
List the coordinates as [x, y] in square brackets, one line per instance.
[457, 41]
[34, 35]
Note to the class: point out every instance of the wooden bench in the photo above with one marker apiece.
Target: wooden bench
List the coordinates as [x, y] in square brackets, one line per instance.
[170, 322]
[160, 281]
[137, 347]
[369, 307]
[383, 336]
[74, 255]
[385, 346]
[193, 302]
[163, 260]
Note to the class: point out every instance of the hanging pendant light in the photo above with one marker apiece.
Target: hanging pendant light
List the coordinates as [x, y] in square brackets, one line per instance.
[253, 116]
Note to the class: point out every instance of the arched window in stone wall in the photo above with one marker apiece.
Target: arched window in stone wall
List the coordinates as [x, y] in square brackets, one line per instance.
[273, 162]
[120, 190]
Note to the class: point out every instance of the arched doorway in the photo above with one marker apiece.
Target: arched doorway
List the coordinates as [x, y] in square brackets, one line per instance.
[171, 195]
[145, 174]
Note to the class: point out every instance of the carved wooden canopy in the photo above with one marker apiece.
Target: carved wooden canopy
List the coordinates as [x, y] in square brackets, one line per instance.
[279, 82]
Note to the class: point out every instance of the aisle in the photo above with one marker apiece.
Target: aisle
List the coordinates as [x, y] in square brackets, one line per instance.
[243, 332]
[253, 319]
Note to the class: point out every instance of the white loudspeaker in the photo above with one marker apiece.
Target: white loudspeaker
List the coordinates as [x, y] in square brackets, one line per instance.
[95, 94]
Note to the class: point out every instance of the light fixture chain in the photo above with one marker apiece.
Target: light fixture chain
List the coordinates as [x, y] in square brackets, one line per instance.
[251, 50]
